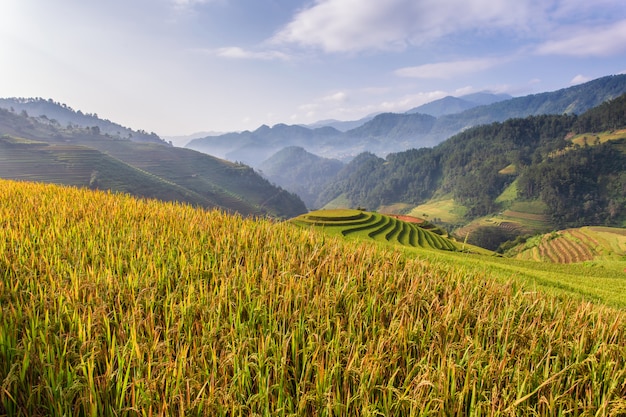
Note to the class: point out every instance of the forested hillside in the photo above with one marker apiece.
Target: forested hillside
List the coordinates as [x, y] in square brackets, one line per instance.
[300, 172]
[580, 184]
[61, 115]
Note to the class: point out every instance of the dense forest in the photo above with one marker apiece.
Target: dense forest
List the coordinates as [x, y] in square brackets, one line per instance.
[579, 184]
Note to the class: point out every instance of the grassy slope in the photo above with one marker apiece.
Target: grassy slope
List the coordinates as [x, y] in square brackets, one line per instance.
[113, 306]
[600, 137]
[195, 171]
[144, 170]
[82, 166]
[446, 211]
[177, 174]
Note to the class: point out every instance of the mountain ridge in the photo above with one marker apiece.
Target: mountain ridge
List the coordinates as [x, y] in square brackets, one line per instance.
[54, 113]
[386, 134]
[452, 105]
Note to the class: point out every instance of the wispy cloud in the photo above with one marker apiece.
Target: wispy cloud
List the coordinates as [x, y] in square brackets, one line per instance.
[337, 97]
[352, 105]
[443, 70]
[600, 41]
[356, 25]
[235, 52]
[184, 3]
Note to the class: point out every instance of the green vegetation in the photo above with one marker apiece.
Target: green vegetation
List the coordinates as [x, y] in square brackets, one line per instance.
[583, 139]
[379, 227]
[490, 168]
[441, 211]
[115, 306]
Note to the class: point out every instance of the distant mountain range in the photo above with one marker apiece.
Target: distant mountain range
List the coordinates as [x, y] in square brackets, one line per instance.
[182, 140]
[342, 126]
[387, 133]
[453, 105]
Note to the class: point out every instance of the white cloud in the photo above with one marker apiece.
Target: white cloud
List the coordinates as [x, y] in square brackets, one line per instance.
[600, 41]
[236, 52]
[336, 97]
[443, 70]
[356, 25]
[365, 103]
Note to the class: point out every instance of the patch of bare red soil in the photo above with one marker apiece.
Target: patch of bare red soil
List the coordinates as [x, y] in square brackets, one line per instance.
[408, 219]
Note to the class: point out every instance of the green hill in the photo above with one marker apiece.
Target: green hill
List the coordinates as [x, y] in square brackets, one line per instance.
[49, 112]
[37, 151]
[110, 305]
[509, 167]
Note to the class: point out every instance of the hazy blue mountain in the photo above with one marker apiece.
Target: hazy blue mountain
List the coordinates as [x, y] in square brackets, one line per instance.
[300, 172]
[453, 105]
[342, 126]
[255, 147]
[182, 140]
[483, 98]
[389, 132]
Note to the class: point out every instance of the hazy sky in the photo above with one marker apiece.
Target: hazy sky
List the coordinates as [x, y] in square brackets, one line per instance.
[180, 66]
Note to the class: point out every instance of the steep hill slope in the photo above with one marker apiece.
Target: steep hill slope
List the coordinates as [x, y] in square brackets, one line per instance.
[38, 151]
[574, 245]
[300, 172]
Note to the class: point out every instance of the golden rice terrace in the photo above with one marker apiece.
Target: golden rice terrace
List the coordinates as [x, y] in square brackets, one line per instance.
[113, 306]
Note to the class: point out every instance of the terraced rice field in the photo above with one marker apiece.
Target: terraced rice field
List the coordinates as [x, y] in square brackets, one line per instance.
[576, 245]
[375, 226]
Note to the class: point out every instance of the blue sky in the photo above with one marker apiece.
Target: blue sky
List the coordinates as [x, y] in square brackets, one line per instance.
[180, 66]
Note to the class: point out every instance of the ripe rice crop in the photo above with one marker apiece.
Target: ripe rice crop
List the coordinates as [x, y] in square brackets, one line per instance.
[111, 305]
[575, 245]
